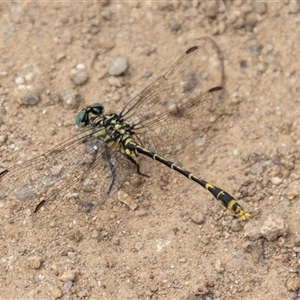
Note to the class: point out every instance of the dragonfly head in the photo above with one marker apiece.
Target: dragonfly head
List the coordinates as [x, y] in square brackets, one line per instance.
[88, 114]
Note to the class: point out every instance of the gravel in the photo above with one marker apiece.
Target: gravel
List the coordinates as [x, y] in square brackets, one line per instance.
[294, 6]
[67, 276]
[27, 95]
[118, 65]
[274, 227]
[174, 24]
[70, 99]
[34, 262]
[79, 75]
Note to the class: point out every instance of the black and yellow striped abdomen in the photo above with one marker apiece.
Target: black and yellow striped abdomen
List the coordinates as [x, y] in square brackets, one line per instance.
[226, 199]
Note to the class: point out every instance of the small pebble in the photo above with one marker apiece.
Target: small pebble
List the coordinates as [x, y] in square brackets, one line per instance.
[293, 284]
[162, 4]
[66, 37]
[71, 255]
[192, 297]
[274, 227]
[288, 164]
[102, 234]
[153, 287]
[66, 250]
[210, 9]
[259, 6]
[236, 152]
[219, 267]
[118, 65]
[269, 58]
[79, 76]
[248, 247]
[251, 21]
[276, 180]
[3, 138]
[191, 12]
[252, 231]
[127, 200]
[34, 262]
[141, 213]
[200, 141]
[67, 286]
[106, 15]
[262, 66]
[105, 43]
[240, 22]
[198, 217]
[116, 81]
[27, 95]
[297, 240]
[3, 74]
[60, 56]
[67, 276]
[80, 67]
[116, 241]
[84, 293]
[55, 292]
[161, 244]
[174, 24]
[267, 49]
[19, 80]
[76, 236]
[31, 77]
[146, 73]
[138, 246]
[94, 234]
[294, 295]
[149, 49]
[70, 99]
[51, 130]
[238, 255]
[258, 168]
[116, 97]
[94, 29]
[283, 207]
[254, 158]
[236, 225]
[294, 6]
[221, 27]
[87, 206]
[255, 49]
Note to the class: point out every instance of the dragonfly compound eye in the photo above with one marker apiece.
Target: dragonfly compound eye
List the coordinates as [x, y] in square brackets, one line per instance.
[86, 115]
[97, 109]
[82, 118]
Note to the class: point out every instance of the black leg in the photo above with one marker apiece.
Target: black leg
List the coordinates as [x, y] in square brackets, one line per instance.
[137, 166]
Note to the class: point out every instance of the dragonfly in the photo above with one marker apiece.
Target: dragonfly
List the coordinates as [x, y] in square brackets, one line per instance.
[160, 121]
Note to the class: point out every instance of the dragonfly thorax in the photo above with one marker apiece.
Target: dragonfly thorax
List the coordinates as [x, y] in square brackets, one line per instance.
[111, 128]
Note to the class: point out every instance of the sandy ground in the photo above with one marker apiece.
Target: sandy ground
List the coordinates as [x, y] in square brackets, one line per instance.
[174, 241]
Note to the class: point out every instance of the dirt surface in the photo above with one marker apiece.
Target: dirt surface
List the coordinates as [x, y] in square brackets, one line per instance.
[173, 240]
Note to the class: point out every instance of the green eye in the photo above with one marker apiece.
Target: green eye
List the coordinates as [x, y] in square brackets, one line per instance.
[81, 118]
[97, 108]
[85, 115]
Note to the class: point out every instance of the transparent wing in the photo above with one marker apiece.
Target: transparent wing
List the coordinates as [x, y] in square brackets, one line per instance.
[83, 167]
[179, 81]
[179, 106]
[172, 130]
[26, 179]
[90, 184]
